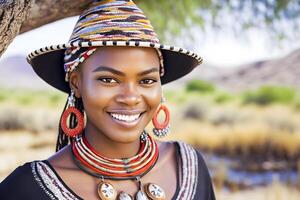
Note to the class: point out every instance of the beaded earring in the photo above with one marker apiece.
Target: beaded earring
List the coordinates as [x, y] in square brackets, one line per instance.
[144, 136]
[72, 132]
[161, 130]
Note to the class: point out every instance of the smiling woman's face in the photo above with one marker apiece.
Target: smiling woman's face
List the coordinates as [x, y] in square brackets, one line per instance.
[121, 89]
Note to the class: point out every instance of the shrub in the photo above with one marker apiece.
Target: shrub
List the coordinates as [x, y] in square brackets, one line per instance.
[200, 86]
[195, 111]
[11, 119]
[222, 98]
[269, 94]
[24, 99]
[175, 96]
[2, 97]
[55, 99]
[15, 118]
[297, 104]
[4, 94]
[224, 118]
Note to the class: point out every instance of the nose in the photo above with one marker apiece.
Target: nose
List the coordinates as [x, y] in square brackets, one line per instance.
[129, 95]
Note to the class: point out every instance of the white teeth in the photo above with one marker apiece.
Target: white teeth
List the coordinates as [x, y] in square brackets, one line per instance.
[126, 118]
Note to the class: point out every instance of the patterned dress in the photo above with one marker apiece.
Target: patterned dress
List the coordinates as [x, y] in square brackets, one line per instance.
[39, 180]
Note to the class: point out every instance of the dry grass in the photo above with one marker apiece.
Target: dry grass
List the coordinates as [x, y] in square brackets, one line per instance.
[235, 129]
[18, 147]
[275, 191]
[17, 117]
[244, 136]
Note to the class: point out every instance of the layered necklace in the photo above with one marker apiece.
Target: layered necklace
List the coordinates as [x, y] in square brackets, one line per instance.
[133, 168]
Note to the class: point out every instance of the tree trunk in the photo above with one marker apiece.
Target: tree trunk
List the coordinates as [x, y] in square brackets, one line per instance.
[24, 15]
[12, 15]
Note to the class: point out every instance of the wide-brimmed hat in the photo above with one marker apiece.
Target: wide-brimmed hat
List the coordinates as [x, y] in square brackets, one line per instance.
[111, 23]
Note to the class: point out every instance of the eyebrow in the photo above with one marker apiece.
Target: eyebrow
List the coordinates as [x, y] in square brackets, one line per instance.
[148, 71]
[109, 69]
[117, 72]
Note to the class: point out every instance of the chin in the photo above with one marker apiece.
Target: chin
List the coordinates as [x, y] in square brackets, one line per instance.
[124, 136]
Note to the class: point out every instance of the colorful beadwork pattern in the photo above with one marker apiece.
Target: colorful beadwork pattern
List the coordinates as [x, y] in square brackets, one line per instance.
[109, 20]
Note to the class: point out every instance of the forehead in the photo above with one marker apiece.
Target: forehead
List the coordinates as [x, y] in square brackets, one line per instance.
[123, 58]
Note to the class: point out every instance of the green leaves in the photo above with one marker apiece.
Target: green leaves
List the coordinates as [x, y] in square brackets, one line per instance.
[171, 17]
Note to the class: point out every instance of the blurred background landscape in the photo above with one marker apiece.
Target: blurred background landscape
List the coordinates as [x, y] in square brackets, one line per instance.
[241, 108]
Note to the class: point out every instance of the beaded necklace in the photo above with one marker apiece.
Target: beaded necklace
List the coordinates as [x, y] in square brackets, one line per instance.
[133, 168]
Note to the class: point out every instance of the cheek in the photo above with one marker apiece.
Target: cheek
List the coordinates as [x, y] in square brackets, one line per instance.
[93, 95]
[153, 98]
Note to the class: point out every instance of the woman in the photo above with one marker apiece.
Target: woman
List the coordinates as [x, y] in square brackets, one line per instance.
[112, 68]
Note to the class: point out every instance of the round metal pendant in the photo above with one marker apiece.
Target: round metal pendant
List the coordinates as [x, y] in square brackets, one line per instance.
[106, 191]
[124, 196]
[140, 195]
[155, 192]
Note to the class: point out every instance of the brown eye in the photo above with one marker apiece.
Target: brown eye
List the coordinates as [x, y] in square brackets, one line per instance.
[148, 81]
[107, 80]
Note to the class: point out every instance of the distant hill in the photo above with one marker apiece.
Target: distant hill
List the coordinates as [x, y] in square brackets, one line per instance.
[203, 72]
[16, 72]
[284, 71]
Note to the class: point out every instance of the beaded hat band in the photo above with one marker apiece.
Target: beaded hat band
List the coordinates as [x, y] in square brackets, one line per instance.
[109, 23]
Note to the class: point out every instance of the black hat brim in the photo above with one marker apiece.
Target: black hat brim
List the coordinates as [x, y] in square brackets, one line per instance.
[49, 66]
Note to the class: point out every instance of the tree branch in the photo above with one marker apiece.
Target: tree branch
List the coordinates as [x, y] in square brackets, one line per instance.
[46, 11]
[24, 15]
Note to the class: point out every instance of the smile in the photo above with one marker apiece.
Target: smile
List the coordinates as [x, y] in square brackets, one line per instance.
[125, 118]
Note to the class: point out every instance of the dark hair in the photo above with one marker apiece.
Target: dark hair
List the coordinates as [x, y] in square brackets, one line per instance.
[62, 139]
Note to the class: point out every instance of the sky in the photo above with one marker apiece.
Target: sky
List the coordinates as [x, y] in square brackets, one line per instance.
[223, 50]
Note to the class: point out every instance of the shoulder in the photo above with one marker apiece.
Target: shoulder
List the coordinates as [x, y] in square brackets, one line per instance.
[19, 175]
[62, 159]
[194, 156]
[20, 183]
[188, 152]
[194, 165]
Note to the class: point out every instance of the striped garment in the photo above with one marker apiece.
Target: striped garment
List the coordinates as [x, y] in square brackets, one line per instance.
[54, 187]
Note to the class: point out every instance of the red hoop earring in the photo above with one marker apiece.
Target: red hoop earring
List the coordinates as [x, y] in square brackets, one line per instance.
[72, 132]
[161, 130]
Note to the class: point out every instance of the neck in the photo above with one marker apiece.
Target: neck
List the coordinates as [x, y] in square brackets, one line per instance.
[108, 147]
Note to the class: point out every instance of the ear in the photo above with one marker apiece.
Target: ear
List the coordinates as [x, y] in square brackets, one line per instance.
[75, 83]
